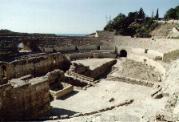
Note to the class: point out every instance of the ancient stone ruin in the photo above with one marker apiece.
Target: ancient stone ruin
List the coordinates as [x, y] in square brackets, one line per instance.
[99, 77]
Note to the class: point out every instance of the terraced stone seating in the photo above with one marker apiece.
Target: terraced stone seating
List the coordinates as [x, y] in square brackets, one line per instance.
[80, 77]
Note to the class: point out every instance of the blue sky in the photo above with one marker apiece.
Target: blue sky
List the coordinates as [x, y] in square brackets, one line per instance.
[70, 16]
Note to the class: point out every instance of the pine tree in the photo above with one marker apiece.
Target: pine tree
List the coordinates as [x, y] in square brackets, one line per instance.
[157, 14]
[141, 14]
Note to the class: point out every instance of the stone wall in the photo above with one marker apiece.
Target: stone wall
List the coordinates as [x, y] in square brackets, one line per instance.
[36, 66]
[75, 56]
[24, 101]
[96, 73]
[103, 70]
[88, 47]
[10, 45]
[92, 54]
[74, 44]
[60, 93]
[132, 81]
[104, 55]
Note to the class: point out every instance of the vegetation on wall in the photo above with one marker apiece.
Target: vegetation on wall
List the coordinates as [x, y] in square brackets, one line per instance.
[134, 24]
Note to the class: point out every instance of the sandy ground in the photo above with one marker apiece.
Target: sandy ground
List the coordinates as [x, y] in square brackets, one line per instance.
[95, 98]
[171, 83]
[98, 97]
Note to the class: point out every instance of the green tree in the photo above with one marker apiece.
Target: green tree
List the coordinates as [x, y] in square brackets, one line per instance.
[136, 23]
[157, 14]
[116, 24]
[177, 12]
[141, 14]
[119, 23]
[171, 14]
[133, 15]
[109, 26]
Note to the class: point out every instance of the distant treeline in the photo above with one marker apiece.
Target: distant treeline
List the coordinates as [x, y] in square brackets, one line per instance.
[134, 24]
[138, 23]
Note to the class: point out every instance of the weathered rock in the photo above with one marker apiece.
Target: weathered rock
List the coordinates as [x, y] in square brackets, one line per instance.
[157, 92]
[64, 116]
[55, 75]
[111, 100]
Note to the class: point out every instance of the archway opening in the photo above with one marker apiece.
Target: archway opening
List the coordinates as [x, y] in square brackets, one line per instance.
[123, 53]
[98, 47]
[54, 51]
[4, 71]
[76, 49]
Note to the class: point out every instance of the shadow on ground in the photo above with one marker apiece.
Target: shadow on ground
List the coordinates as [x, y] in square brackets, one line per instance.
[68, 95]
[61, 112]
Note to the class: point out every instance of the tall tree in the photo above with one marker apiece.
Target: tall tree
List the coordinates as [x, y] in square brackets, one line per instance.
[135, 23]
[171, 14]
[177, 12]
[141, 14]
[157, 14]
[133, 15]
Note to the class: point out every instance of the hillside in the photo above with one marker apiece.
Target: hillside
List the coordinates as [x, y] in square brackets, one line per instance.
[166, 30]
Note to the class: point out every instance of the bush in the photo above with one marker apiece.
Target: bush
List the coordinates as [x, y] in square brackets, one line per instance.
[135, 24]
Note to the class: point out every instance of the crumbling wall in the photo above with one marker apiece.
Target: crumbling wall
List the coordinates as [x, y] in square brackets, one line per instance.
[88, 47]
[60, 93]
[65, 48]
[3, 72]
[104, 55]
[102, 70]
[97, 54]
[26, 101]
[76, 56]
[68, 44]
[36, 66]
[55, 75]
[96, 73]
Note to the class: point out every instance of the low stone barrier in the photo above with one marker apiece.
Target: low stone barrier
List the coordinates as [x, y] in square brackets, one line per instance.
[61, 93]
[124, 103]
[132, 81]
[82, 78]
[93, 54]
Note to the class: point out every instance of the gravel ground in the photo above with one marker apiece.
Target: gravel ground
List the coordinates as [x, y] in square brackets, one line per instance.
[95, 98]
[108, 93]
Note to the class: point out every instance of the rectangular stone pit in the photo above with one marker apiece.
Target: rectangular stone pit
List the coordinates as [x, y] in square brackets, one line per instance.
[67, 89]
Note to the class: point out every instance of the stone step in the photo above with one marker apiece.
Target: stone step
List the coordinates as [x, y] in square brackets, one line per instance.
[80, 77]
